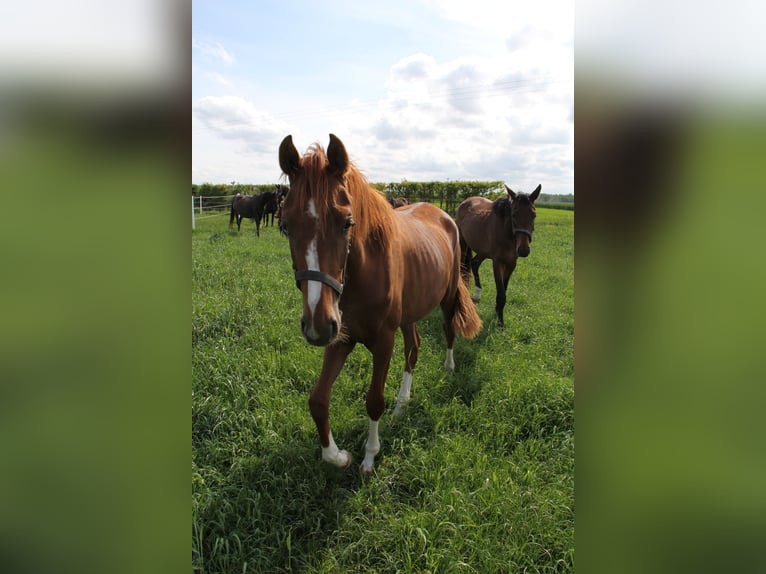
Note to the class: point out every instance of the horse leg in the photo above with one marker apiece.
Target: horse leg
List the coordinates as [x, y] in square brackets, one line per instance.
[232, 215]
[507, 271]
[239, 221]
[448, 310]
[475, 264]
[376, 404]
[411, 348]
[502, 274]
[465, 261]
[319, 402]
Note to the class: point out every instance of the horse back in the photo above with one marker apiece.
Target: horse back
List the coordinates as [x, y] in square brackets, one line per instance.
[426, 252]
[482, 228]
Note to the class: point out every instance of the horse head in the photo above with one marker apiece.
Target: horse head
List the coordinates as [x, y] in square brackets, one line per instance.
[523, 215]
[317, 219]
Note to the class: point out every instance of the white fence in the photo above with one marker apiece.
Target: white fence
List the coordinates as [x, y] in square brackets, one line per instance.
[219, 202]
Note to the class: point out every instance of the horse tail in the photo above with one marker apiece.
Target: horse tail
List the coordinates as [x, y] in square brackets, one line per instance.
[233, 214]
[466, 320]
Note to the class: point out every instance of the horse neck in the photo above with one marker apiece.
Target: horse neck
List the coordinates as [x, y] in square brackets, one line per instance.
[373, 233]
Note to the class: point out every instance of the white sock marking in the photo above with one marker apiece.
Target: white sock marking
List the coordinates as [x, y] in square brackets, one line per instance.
[404, 393]
[449, 362]
[371, 448]
[335, 456]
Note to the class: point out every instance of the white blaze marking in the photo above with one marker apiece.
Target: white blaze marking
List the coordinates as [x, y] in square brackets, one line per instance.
[313, 288]
[371, 447]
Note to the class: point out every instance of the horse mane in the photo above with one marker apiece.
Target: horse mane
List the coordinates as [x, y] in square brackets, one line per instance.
[373, 216]
[502, 206]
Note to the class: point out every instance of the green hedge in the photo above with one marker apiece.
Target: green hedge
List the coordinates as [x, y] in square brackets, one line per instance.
[446, 194]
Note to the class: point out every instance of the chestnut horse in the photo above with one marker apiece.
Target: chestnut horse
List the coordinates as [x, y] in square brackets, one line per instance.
[366, 270]
[501, 231]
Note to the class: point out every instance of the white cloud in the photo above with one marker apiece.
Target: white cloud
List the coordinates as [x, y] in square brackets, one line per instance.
[235, 118]
[214, 51]
[497, 107]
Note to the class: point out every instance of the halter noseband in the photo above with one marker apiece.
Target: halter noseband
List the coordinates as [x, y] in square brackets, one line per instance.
[525, 232]
[311, 275]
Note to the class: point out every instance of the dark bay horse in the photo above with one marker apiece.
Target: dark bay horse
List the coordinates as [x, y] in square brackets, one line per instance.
[250, 206]
[271, 207]
[500, 231]
[366, 270]
[398, 202]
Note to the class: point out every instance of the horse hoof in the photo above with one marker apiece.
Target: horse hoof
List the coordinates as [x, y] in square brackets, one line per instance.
[349, 460]
[366, 472]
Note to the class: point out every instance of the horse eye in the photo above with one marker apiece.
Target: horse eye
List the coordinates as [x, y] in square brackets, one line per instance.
[349, 224]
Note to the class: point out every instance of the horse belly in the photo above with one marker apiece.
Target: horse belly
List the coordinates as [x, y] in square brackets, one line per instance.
[426, 280]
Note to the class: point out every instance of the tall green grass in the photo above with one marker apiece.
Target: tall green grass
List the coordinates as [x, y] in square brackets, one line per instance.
[477, 476]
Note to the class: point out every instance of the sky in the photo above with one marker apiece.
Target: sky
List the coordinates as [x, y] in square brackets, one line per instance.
[417, 90]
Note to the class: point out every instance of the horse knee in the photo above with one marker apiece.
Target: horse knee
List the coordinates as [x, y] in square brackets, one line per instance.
[376, 404]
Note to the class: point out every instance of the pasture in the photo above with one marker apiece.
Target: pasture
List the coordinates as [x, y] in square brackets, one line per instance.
[477, 476]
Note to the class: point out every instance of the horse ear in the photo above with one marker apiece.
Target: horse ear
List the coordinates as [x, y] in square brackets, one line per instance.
[510, 192]
[289, 160]
[536, 193]
[337, 156]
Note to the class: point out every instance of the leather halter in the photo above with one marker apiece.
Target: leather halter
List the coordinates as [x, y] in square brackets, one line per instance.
[524, 231]
[311, 275]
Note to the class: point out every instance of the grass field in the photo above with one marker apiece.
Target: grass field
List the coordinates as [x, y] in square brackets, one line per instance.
[477, 476]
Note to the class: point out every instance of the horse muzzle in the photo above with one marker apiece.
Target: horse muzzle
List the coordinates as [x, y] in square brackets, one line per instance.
[322, 336]
[320, 323]
[523, 239]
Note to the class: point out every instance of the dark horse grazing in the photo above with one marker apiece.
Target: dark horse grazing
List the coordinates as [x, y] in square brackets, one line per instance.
[501, 231]
[398, 202]
[377, 268]
[252, 207]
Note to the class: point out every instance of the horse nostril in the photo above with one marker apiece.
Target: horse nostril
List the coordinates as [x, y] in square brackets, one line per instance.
[334, 327]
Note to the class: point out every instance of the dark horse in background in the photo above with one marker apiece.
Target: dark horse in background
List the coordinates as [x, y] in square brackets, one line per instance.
[273, 204]
[364, 271]
[250, 206]
[398, 202]
[500, 231]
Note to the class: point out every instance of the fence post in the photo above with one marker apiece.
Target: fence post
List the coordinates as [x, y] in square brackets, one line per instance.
[192, 212]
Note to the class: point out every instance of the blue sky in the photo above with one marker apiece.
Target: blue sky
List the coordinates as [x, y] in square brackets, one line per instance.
[417, 89]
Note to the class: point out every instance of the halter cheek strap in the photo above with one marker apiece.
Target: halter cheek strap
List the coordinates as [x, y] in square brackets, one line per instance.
[311, 275]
